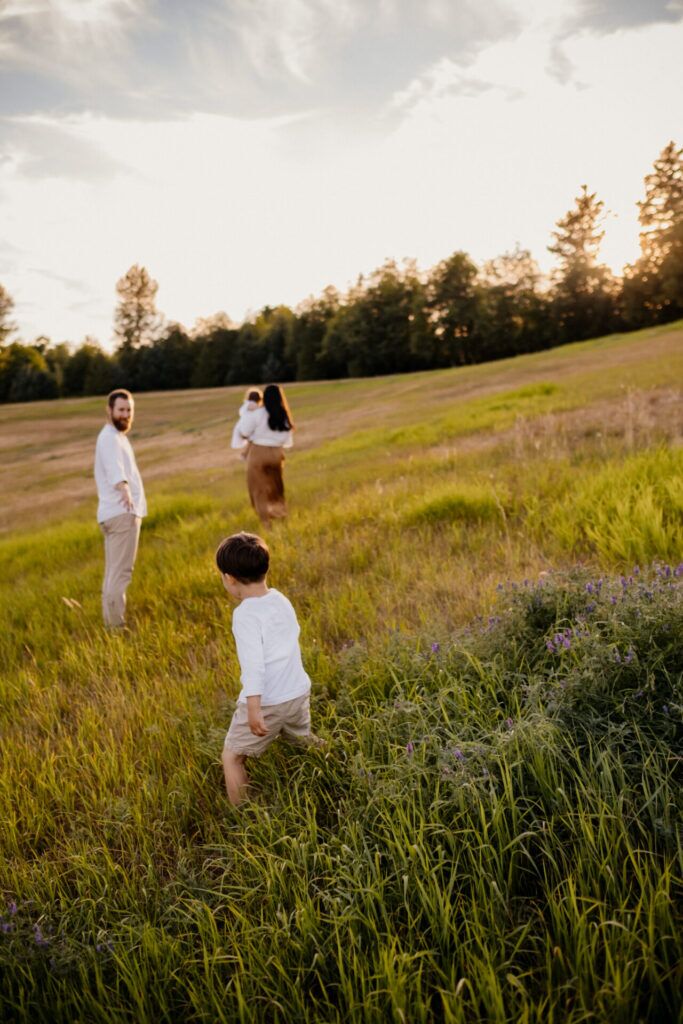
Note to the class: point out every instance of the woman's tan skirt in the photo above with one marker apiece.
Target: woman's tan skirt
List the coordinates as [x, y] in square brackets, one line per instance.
[264, 481]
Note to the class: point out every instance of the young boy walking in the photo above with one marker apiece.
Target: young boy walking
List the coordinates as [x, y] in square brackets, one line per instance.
[274, 698]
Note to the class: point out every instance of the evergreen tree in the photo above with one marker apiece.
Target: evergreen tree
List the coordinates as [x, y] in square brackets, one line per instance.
[513, 312]
[78, 366]
[6, 307]
[310, 327]
[583, 295]
[136, 319]
[24, 374]
[452, 311]
[653, 286]
[275, 329]
[374, 331]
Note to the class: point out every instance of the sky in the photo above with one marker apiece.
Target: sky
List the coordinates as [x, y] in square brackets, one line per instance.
[252, 152]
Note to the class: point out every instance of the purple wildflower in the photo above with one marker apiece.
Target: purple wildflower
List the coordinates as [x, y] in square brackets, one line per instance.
[436, 647]
[509, 723]
[629, 656]
[6, 927]
[636, 570]
[566, 642]
[38, 936]
[638, 693]
[551, 646]
[667, 571]
[665, 709]
[409, 747]
[589, 588]
[458, 755]
[617, 657]
[678, 571]
[613, 599]
[12, 907]
[590, 607]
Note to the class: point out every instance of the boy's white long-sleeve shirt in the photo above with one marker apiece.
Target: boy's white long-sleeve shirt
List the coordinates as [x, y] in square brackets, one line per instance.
[266, 633]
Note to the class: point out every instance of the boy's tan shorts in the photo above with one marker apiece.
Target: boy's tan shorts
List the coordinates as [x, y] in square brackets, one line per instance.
[292, 720]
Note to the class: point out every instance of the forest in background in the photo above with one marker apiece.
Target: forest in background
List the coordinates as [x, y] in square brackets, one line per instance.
[397, 319]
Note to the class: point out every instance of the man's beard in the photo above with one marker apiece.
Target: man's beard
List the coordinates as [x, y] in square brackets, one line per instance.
[122, 425]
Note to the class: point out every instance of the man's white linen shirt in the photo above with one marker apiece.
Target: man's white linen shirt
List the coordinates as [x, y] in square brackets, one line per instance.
[254, 427]
[115, 462]
[266, 633]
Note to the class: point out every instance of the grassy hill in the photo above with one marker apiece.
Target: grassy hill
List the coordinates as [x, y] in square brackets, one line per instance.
[491, 833]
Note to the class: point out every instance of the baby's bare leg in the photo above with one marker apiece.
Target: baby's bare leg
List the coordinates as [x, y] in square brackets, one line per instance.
[236, 778]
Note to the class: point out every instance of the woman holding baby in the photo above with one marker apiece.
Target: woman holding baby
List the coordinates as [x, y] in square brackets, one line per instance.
[266, 429]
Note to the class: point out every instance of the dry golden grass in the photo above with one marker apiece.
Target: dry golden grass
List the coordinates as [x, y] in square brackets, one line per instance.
[46, 448]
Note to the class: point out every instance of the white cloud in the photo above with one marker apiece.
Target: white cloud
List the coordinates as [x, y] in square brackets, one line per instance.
[135, 58]
[37, 147]
[68, 55]
[291, 35]
[606, 16]
[40, 34]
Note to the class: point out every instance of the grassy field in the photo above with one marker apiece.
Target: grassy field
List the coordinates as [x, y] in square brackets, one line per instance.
[486, 567]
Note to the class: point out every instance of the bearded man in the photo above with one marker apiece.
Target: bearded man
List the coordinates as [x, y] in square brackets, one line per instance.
[121, 505]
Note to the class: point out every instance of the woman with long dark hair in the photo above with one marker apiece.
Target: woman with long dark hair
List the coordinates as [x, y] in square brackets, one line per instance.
[269, 429]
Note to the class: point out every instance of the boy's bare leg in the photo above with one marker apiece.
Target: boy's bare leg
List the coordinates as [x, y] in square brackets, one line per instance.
[236, 778]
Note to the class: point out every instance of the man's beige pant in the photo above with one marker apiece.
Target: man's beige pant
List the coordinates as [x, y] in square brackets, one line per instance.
[121, 535]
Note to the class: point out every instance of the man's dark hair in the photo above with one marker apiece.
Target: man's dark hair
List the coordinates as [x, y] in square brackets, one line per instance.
[244, 556]
[118, 393]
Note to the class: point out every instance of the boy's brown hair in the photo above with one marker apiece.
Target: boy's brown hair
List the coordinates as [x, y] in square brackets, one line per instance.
[244, 556]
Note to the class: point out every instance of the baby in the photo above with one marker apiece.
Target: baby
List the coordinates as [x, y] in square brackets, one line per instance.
[252, 400]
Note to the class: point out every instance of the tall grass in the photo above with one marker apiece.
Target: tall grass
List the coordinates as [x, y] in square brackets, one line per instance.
[493, 831]
[628, 511]
[491, 834]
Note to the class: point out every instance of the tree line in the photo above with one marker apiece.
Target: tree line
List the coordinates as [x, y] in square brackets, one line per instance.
[395, 320]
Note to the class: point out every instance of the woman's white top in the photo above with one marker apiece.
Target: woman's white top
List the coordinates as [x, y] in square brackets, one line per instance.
[253, 426]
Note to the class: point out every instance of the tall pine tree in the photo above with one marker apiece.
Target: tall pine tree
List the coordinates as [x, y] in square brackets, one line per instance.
[136, 319]
[583, 292]
[653, 286]
[6, 307]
